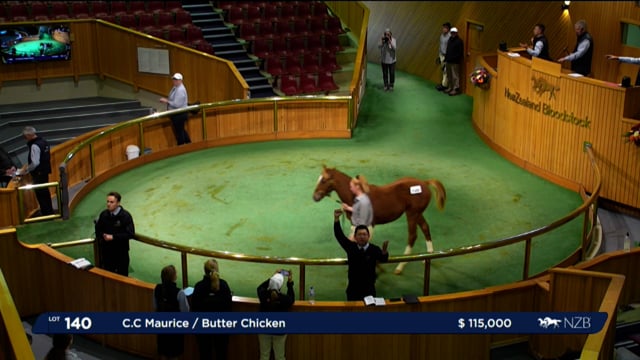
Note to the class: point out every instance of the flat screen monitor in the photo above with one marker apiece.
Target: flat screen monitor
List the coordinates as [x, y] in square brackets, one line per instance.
[34, 43]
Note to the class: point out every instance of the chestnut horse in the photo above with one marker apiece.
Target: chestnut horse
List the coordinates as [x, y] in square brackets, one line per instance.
[406, 195]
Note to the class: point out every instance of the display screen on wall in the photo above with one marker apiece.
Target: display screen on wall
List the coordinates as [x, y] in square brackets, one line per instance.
[630, 34]
[34, 43]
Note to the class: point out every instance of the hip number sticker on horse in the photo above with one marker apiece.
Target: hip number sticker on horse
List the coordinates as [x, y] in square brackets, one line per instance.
[416, 189]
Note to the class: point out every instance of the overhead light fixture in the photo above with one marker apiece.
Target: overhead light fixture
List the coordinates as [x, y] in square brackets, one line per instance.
[565, 5]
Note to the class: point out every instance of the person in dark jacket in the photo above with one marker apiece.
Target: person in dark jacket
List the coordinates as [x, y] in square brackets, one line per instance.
[114, 228]
[39, 166]
[212, 294]
[454, 58]
[583, 52]
[272, 300]
[362, 257]
[167, 297]
[539, 46]
[7, 168]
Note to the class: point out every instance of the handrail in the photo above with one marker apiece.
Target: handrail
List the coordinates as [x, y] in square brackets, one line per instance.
[20, 348]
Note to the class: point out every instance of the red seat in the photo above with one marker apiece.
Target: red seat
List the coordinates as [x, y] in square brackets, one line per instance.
[297, 44]
[182, 18]
[154, 6]
[173, 5]
[107, 17]
[317, 24]
[319, 9]
[154, 31]
[204, 46]
[273, 65]
[326, 82]
[281, 27]
[314, 44]
[308, 84]
[263, 28]
[300, 26]
[99, 8]
[235, 15]
[287, 10]
[176, 35]
[144, 20]
[59, 8]
[332, 42]
[270, 12]
[289, 85]
[137, 7]
[39, 11]
[164, 19]
[292, 65]
[328, 61]
[18, 10]
[246, 31]
[126, 20]
[253, 12]
[310, 63]
[194, 33]
[117, 7]
[334, 25]
[303, 9]
[260, 47]
[279, 46]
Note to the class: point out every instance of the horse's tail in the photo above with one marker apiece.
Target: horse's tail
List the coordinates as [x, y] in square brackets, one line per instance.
[441, 193]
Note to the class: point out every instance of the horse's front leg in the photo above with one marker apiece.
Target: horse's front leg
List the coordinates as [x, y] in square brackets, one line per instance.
[411, 223]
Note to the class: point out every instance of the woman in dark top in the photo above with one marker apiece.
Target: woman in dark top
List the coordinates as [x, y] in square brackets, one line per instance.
[168, 298]
[212, 294]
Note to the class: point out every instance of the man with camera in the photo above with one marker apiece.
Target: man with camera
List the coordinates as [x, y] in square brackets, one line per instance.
[387, 46]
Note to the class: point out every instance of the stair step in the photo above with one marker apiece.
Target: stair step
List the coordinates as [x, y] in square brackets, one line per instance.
[230, 52]
[243, 62]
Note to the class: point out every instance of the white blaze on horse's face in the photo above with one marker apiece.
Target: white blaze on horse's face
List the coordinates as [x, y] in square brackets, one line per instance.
[319, 179]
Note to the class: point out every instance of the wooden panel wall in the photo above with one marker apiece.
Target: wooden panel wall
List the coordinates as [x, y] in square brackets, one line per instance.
[417, 27]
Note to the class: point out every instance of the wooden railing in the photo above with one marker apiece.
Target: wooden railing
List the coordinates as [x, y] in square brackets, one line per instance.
[84, 153]
[584, 289]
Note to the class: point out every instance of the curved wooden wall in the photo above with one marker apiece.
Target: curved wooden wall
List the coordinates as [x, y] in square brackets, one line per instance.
[68, 289]
[108, 50]
[543, 130]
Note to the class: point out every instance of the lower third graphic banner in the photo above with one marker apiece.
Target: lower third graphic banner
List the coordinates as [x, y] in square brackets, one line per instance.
[321, 323]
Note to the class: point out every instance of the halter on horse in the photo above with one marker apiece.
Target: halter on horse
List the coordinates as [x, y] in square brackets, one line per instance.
[405, 195]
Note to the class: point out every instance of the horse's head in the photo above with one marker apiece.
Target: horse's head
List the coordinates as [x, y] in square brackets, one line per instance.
[325, 184]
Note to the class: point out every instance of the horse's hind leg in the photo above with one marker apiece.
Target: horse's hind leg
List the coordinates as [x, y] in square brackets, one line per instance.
[424, 226]
[411, 222]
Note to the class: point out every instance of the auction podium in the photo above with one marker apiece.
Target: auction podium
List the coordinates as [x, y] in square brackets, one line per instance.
[541, 117]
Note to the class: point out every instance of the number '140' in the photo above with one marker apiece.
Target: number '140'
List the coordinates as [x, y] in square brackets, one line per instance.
[78, 323]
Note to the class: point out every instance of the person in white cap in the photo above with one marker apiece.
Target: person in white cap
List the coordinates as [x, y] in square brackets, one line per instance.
[387, 46]
[272, 300]
[454, 57]
[178, 99]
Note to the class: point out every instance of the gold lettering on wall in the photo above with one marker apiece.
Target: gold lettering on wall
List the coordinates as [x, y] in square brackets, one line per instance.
[548, 110]
[541, 86]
